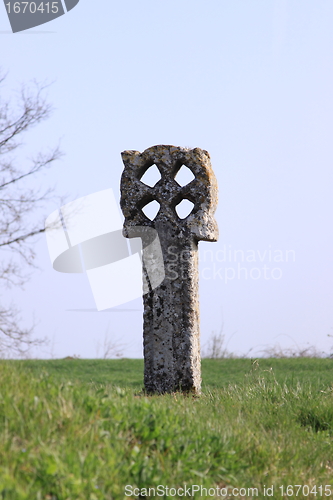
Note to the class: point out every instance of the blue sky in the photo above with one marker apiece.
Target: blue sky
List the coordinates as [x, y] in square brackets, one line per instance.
[251, 82]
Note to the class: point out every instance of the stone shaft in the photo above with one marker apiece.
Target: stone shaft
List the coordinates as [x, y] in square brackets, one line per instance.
[171, 318]
[171, 309]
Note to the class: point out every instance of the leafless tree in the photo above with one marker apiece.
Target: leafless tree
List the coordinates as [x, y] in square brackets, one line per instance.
[276, 351]
[111, 348]
[19, 202]
[216, 347]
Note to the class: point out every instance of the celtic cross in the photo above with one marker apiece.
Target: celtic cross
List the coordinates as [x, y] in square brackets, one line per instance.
[171, 310]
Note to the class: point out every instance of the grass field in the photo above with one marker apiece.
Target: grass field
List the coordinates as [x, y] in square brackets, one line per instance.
[83, 429]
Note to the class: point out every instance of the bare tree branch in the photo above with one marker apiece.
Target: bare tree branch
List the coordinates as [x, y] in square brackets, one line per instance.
[18, 203]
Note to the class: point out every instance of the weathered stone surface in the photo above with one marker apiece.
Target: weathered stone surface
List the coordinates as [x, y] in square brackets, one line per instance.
[171, 311]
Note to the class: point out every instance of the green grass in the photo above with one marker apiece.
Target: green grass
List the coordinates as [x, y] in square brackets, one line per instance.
[120, 372]
[81, 429]
[216, 373]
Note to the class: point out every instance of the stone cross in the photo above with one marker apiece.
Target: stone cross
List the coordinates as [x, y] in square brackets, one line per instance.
[171, 310]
